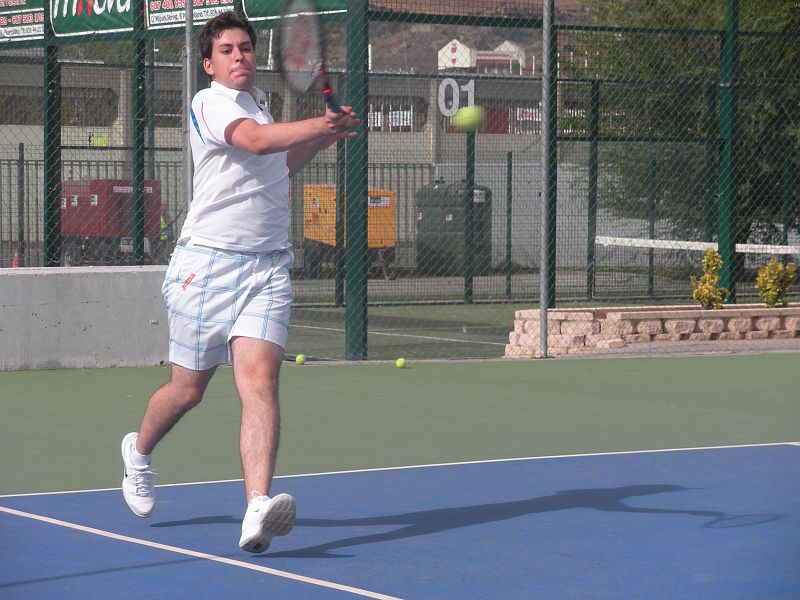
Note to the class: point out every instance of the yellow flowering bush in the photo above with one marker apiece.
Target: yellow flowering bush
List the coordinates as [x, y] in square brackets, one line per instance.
[706, 287]
[773, 282]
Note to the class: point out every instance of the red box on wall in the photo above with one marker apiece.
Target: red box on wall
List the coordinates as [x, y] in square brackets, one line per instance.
[102, 207]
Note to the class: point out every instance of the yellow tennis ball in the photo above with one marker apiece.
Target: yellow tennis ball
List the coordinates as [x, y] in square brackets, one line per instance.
[468, 119]
[300, 359]
[400, 363]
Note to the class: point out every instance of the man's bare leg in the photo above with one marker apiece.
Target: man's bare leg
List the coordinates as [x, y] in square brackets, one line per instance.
[256, 365]
[166, 406]
[169, 403]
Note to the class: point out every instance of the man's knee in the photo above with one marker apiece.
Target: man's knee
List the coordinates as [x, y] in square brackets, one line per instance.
[188, 387]
[256, 363]
[258, 388]
[188, 396]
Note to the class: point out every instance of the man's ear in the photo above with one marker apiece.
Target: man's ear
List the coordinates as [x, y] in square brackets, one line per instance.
[208, 68]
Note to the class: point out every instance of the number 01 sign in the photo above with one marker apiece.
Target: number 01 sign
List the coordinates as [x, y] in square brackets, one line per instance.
[450, 93]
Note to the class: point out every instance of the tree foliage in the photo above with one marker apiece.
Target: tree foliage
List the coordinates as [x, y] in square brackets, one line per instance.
[659, 76]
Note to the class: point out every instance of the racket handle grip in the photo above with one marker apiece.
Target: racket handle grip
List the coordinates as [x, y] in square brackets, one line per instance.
[332, 103]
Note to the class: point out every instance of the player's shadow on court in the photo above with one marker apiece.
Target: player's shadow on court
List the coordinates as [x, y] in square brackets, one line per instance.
[426, 522]
[214, 519]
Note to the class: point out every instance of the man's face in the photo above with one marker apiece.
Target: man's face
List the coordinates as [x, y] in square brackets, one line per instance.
[233, 60]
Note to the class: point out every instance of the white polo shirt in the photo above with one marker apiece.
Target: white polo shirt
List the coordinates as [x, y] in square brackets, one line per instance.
[240, 199]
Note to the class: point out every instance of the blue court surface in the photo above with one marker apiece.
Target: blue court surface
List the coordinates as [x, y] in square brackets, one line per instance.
[687, 523]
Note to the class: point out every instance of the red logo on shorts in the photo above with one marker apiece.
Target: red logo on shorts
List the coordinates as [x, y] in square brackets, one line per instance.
[188, 281]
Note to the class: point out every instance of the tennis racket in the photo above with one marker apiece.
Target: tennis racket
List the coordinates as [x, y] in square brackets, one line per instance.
[302, 50]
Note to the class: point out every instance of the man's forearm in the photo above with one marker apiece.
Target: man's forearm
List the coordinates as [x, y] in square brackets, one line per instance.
[300, 156]
[275, 137]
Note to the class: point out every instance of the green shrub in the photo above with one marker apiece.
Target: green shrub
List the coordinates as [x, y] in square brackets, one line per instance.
[773, 282]
[706, 288]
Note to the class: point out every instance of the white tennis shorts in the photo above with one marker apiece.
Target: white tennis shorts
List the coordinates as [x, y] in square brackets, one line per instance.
[214, 295]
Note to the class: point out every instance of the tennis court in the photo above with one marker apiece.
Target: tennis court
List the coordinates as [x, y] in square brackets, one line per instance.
[650, 477]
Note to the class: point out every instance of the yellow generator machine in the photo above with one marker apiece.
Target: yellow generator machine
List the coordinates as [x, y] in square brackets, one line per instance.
[319, 229]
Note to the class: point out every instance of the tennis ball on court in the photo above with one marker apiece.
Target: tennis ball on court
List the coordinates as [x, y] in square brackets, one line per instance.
[300, 359]
[468, 119]
[400, 363]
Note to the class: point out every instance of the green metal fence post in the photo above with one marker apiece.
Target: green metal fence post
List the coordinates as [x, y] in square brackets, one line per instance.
[356, 185]
[786, 199]
[339, 275]
[469, 220]
[728, 188]
[52, 147]
[21, 205]
[509, 212]
[651, 222]
[712, 156]
[591, 225]
[150, 86]
[189, 73]
[138, 130]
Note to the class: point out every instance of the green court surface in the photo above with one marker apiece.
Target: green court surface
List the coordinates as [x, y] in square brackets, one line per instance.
[61, 429]
[424, 331]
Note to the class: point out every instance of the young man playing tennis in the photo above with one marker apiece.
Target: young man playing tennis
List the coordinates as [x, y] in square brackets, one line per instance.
[227, 288]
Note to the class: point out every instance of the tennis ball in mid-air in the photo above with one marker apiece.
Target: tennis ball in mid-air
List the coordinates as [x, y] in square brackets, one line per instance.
[400, 363]
[300, 359]
[468, 119]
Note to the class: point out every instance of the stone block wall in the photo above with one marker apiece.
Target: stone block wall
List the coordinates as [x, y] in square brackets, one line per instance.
[576, 330]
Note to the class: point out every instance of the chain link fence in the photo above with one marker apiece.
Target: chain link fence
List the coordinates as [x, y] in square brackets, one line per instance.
[671, 127]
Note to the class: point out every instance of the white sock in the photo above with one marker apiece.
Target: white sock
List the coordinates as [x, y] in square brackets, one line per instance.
[254, 495]
[140, 460]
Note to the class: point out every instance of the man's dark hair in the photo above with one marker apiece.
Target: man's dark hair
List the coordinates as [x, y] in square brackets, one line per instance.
[222, 22]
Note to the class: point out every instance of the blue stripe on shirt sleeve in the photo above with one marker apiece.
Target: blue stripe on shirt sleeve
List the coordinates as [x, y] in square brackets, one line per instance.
[197, 126]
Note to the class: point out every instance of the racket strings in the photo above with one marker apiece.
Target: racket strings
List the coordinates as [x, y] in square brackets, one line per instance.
[301, 51]
[300, 44]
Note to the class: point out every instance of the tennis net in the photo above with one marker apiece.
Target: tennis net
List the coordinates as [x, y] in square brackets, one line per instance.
[661, 268]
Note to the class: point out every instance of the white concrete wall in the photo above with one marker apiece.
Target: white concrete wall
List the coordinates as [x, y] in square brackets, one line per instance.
[82, 317]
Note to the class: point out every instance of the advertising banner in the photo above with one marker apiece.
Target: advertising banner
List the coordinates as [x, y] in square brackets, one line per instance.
[258, 10]
[86, 17]
[162, 14]
[24, 19]
[21, 20]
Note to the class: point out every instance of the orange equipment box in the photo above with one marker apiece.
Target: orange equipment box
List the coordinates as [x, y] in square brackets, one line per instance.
[319, 216]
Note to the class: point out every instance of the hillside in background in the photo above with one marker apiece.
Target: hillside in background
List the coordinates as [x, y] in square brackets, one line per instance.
[492, 8]
[413, 48]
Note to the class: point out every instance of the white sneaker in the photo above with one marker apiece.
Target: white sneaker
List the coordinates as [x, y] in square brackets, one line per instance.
[137, 482]
[265, 518]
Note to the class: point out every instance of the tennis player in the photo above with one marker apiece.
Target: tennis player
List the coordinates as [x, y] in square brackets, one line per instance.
[227, 287]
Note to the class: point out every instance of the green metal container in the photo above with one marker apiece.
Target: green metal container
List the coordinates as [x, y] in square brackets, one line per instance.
[440, 218]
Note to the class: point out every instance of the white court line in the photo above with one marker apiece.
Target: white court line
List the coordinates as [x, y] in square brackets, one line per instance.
[425, 466]
[525, 458]
[201, 555]
[116, 489]
[408, 335]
